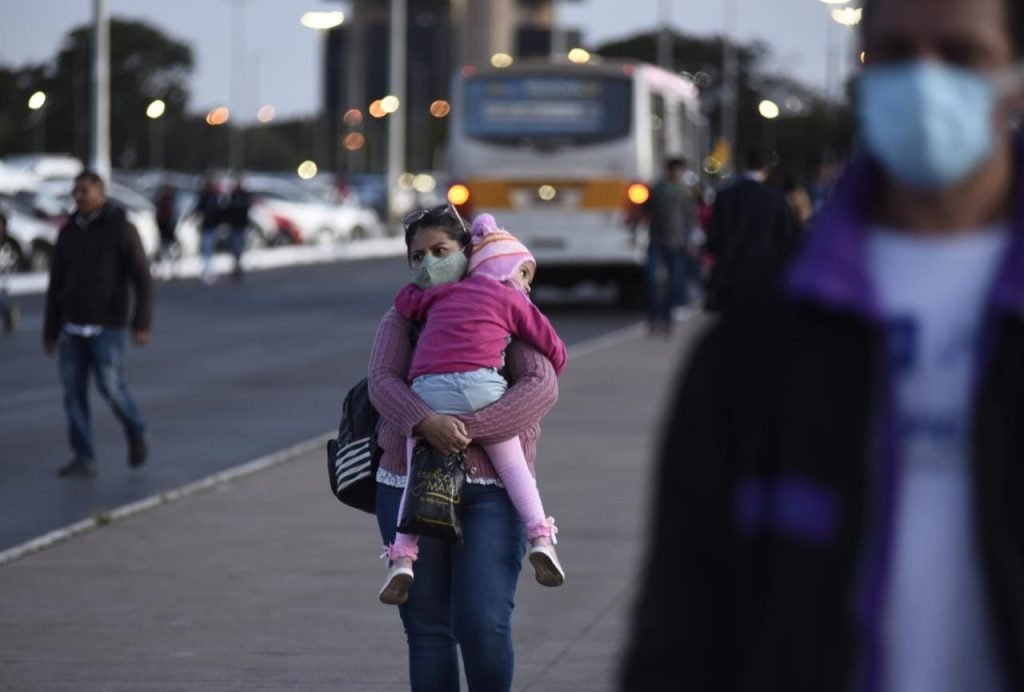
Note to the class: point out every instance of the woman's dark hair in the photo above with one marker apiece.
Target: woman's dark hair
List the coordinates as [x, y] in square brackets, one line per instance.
[1014, 11]
[450, 224]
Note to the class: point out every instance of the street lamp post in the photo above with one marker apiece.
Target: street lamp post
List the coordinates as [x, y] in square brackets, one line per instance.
[100, 141]
[155, 112]
[36, 103]
[321, 22]
[664, 34]
[848, 18]
[236, 133]
[831, 57]
[730, 78]
[396, 119]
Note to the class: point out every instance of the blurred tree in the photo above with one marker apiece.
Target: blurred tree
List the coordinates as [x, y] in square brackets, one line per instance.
[145, 64]
[810, 127]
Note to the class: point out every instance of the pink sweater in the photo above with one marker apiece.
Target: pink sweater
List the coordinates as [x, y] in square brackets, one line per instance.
[467, 324]
[533, 392]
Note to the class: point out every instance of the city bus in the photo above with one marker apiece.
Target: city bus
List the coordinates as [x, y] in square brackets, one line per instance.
[562, 155]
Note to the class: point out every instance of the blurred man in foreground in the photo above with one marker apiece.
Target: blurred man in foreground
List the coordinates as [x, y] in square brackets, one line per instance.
[839, 502]
[97, 258]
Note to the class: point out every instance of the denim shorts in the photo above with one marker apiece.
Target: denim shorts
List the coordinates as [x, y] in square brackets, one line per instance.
[459, 393]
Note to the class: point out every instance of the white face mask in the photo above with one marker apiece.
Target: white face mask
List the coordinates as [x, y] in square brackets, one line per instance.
[434, 271]
[931, 125]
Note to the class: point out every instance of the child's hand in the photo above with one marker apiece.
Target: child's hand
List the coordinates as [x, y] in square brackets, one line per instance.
[446, 434]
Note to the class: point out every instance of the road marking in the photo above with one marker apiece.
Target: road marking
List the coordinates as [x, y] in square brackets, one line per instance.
[580, 350]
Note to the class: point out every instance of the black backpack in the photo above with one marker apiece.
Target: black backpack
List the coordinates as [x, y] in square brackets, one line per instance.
[353, 458]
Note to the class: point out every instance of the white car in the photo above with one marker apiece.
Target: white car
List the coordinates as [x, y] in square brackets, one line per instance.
[29, 243]
[309, 218]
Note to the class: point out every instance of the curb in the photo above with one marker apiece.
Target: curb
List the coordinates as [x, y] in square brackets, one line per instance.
[167, 497]
[253, 260]
[250, 468]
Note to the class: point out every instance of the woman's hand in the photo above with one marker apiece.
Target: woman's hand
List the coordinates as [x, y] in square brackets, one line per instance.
[446, 434]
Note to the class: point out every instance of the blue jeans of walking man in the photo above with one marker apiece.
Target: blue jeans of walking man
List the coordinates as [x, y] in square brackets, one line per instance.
[662, 297]
[103, 356]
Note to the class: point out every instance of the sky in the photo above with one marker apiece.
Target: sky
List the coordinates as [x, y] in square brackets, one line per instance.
[281, 56]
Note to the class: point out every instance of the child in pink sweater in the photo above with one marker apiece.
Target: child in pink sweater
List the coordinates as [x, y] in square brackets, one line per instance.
[455, 370]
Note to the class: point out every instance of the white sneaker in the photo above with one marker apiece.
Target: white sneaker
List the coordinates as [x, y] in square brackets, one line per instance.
[545, 563]
[396, 587]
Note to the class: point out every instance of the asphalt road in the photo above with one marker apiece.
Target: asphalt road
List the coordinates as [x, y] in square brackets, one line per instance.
[233, 372]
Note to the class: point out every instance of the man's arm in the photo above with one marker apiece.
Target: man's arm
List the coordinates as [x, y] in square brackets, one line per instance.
[680, 629]
[52, 320]
[141, 280]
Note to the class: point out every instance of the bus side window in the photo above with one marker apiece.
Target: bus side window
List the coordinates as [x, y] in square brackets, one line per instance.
[685, 135]
[658, 129]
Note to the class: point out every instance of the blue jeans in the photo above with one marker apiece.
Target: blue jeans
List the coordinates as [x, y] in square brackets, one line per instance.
[237, 243]
[458, 393]
[462, 597]
[207, 246]
[104, 355]
[659, 301]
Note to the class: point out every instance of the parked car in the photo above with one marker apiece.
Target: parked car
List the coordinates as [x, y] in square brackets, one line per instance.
[309, 218]
[29, 243]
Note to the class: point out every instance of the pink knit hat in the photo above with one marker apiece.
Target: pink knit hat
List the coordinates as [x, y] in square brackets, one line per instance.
[496, 253]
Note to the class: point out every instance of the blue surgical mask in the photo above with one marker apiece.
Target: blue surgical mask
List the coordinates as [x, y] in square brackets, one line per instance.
[437, 271]
[930, 125]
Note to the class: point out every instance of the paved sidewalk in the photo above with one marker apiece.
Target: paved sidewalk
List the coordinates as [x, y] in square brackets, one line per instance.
[267, 583]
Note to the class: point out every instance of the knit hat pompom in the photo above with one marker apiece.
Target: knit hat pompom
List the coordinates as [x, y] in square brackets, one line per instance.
[495, 252]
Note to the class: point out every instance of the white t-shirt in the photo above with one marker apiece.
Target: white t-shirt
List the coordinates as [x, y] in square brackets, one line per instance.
[933, 291]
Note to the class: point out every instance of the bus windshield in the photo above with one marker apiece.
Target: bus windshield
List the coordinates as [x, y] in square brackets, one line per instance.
[548, 109]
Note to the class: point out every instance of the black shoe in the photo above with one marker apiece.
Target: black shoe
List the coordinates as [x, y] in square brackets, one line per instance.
[138, 450]
[78, 468]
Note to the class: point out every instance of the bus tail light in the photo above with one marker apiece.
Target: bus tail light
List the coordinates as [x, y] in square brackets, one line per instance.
[458, 195]
[638, 193]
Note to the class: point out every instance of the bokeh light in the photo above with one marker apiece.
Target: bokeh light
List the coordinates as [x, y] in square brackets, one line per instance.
[155, 109]
[354, 141]
[37, 100]
[266, 114]
[579, 56]
[440, 108]
[376, 110]
[352, 117]
[307, 170]
[218, 116]
[500, 60]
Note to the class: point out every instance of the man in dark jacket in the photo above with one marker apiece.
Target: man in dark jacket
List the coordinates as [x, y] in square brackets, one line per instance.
[839, 499]
[672, 212]
[97, 259]
[237, 215]
[751, 226]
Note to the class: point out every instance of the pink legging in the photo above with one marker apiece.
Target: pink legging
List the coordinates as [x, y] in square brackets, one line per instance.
[510, 463]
